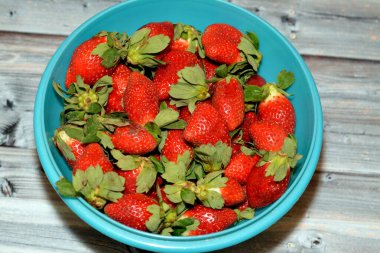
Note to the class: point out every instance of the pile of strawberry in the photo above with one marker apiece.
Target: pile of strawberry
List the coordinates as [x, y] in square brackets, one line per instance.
[172, 131]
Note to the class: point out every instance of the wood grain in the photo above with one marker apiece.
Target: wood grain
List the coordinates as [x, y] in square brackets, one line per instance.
[337, 29]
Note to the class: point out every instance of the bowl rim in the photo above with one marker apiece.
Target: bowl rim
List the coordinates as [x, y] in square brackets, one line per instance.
[153, 242]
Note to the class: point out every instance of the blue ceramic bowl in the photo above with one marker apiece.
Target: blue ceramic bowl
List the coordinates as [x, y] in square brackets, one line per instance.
[278, 54]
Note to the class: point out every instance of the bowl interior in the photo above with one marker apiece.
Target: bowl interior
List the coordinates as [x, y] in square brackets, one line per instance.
[278, 54]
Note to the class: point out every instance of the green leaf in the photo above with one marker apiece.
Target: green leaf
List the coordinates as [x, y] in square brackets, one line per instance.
[155, 44]
[94, 176]
[175, 172]
[246, 214]
[154, 220]
[188, 196]
[213, 157]
[183, 91]
[164, 135]
[74, 115]
[146, 178]
[59, 140]
[100, 49]
[214, 200]
[79, 180]
[255, 40]
[253, 93]
[128, 162]
[285, 79]
[65, 188]
[247, 151]
[179, 124]
[221, 71]
[157, 164]
[110, 57]
[173, 192]
[105, 140]
[113, 182]
[166, 117]
[139, 36]
[192, 75]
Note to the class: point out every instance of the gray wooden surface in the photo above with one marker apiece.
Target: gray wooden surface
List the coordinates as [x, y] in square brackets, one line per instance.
[340, 210]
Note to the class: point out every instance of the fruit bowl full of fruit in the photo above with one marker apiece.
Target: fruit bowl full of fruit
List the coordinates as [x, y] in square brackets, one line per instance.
[178, 125]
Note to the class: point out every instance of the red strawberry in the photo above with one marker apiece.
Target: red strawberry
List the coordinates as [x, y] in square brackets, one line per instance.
[263, 190]
[130, 177]
[277, 108]
[166, 75]
[93, 155]
[154, 195]
[244, 205]
[186, 38]
[206, 126]
[133, 139]
[267, 136]
[120, 82]
[256, 80]
[70, 148]
[209, 68]
[185, 114]
[220, 42]
[175, 145]
[249, 118]
[210, 220]
[132, 210]
[233, 193]
[228, 99]
[240, 166]
[86, 64]
[140, 99]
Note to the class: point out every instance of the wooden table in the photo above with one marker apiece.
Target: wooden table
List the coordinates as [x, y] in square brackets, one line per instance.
[340, 210]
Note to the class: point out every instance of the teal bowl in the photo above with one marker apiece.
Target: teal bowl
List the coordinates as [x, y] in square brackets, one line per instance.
[278, 54]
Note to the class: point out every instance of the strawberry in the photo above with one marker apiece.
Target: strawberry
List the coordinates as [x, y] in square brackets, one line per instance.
[166, 75]
[140, 99]
[133, 139]
[232, 193]
[263, 190]
[228, 100]
[267, 136]
[120, 81]
[206, 126]
[132, 210]
[276, 108]
[175, 145]
[249, 118]
[226, 44]
[86, 64]
[185, 114]
[256, 80]
[93, 155]
[162, 28]
[70, 148]
[130, 177]
[210, 220]
[186, 38]
[220, 42]
[240, 166]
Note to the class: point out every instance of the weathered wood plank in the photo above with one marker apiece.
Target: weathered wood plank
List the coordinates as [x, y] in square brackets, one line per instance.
[335, 208]
[327, 28]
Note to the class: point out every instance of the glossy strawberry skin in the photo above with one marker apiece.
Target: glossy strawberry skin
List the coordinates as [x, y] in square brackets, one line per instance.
[166, 75]
[211, 220]
[267, 136]
[256, 80]
[220, 42]
[87, 65]
[262, 190]
[249, 118]
[228, 100]
[93, 155]
[233, 193]
[120, 82]
[240, 167]
[131, 210]
[175, 145]
[133, 139]
[140, 99]
[278, 109]
[130, 177]
[206, 126]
